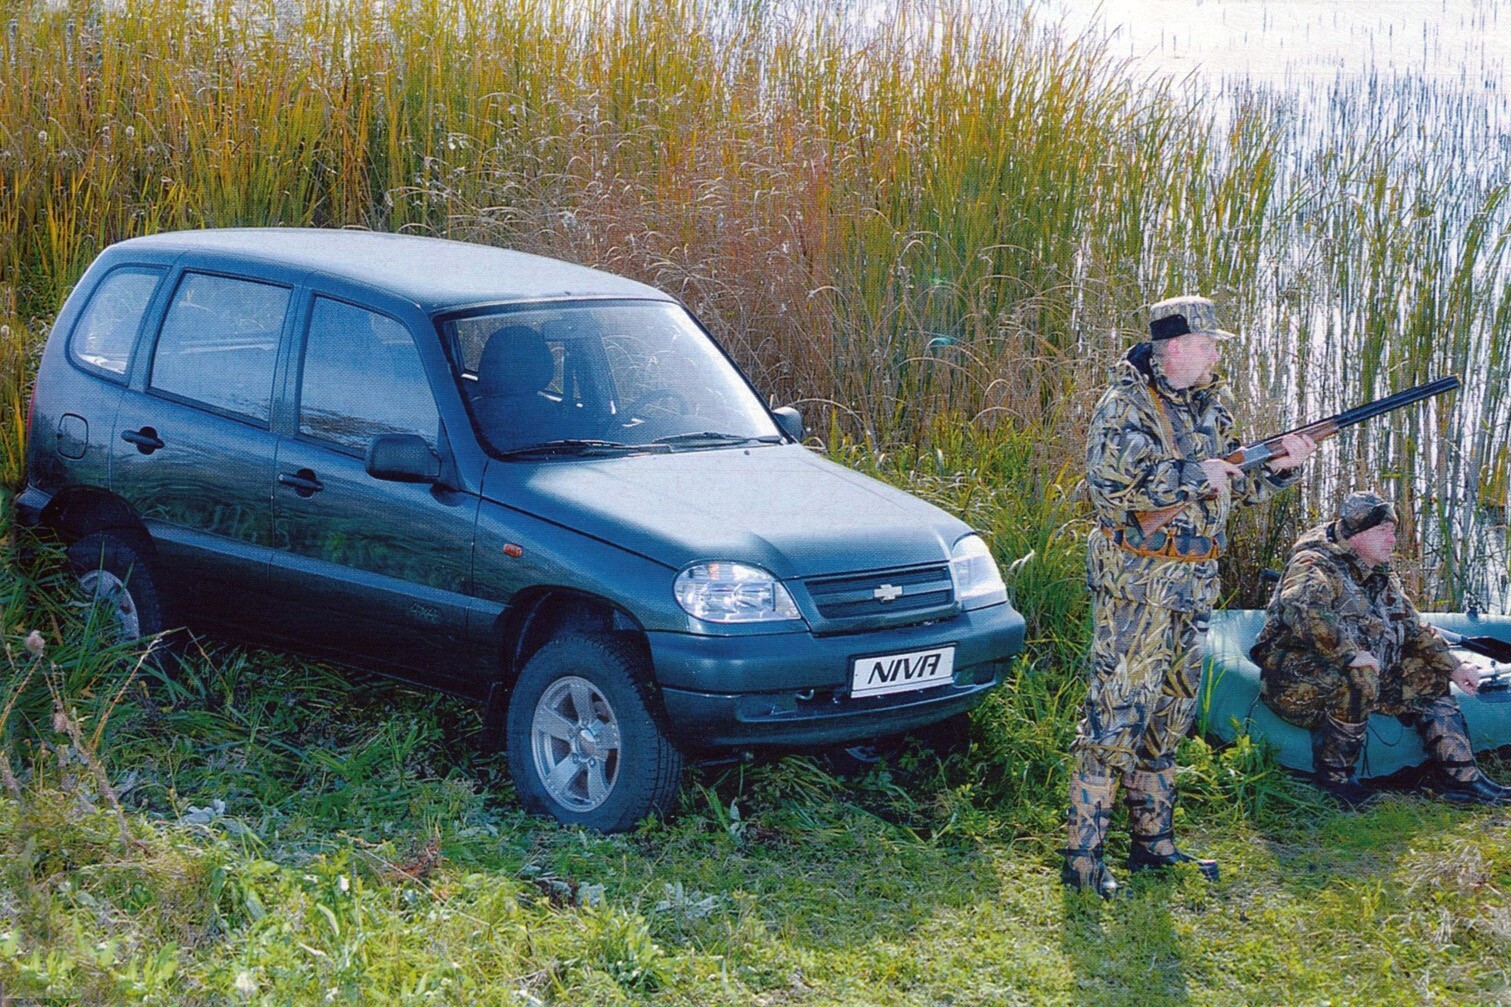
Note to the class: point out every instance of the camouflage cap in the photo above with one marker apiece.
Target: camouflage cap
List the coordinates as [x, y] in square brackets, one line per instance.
[1362, 511]
[1176, 316]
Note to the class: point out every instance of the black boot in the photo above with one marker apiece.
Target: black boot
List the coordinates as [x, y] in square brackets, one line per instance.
[1091, 794]
[1456, 777]
[1150, 796]
[1335, 748]
[1480, 790]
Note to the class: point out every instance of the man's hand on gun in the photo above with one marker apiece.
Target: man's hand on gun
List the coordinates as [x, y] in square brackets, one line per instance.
[1298, 448]
[1221, 473]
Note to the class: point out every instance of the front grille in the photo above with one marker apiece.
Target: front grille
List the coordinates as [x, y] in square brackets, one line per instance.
[914, 594]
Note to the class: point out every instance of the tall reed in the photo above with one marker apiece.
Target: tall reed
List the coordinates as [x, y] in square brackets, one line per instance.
[946, 210]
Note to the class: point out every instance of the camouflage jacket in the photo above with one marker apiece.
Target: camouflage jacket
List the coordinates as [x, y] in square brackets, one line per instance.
[1141, 457]
[1329, 607]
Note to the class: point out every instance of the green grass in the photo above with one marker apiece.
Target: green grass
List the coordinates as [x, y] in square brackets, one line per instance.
[933, 239]
[290, 833]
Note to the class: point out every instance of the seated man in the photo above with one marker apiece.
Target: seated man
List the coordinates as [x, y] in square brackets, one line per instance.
[1341, 641]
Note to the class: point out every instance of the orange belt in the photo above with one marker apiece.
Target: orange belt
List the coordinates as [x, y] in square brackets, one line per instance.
[1198, 549]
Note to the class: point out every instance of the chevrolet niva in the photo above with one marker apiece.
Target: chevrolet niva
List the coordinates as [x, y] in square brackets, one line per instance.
[533, 484]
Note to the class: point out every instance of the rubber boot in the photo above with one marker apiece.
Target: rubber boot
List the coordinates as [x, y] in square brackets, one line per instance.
[1150, 796]
[1335, 748]
[1456, 774]
[1091, 796]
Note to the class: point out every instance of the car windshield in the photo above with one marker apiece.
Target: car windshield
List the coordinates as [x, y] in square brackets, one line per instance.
[601, 376]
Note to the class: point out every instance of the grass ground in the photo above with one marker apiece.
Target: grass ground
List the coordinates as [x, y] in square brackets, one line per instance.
[277, 832]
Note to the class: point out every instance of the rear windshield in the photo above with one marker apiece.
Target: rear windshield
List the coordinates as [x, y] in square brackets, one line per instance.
[626, 372]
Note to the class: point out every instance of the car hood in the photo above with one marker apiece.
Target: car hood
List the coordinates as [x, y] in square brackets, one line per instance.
[781, 507]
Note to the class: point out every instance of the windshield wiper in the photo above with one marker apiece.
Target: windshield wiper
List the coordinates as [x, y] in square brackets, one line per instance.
[577, 448]
[713, 438]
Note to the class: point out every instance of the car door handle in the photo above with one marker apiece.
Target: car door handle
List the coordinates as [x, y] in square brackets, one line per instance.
[303, 482]
[145, 439]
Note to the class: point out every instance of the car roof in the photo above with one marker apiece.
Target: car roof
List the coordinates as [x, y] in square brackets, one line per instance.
[434, 273]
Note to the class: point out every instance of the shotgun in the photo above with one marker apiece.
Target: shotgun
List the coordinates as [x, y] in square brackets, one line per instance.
[1254, 455]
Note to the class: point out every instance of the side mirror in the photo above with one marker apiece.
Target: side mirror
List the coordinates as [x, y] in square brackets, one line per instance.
[403, 458]
[791, 422]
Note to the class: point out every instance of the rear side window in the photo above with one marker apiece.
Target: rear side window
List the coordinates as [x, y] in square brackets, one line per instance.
[106, 332]
[219, 344]
[362, 377]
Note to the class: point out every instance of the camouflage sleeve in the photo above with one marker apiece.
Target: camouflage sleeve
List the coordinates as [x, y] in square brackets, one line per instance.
[1127, 467]
[1308, 606]
[1421, 642]
[1258, 486]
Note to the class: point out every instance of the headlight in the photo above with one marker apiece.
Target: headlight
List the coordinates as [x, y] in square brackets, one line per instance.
[733, 592]
[977, 581]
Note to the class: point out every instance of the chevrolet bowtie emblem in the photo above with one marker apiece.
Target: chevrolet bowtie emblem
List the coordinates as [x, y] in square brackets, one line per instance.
[887, 592]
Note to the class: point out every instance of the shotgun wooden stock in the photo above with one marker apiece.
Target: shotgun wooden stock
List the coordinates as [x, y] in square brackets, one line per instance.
[1254, 455]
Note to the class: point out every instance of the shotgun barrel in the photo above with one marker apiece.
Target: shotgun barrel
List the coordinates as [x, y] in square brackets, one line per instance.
[1256, 454]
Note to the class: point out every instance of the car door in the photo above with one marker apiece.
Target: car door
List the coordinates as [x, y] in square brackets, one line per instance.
[193, 447]
[369, 569]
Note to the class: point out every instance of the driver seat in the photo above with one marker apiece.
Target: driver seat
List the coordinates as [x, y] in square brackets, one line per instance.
[510, 400]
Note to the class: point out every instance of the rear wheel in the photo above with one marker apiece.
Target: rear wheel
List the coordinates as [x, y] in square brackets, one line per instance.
[115, 576]
[584, 747]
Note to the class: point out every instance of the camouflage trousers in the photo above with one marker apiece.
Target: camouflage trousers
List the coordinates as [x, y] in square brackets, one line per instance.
[1445, 736]
[1145, 669]
[1300, 688]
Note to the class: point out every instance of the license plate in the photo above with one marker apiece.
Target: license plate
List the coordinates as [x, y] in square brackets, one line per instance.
[917, 669]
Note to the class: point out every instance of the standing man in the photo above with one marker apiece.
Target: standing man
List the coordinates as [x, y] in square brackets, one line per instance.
[1161, 491]
[1341, 641]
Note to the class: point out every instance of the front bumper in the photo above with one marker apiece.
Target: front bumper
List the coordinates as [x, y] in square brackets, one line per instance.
[793, 689]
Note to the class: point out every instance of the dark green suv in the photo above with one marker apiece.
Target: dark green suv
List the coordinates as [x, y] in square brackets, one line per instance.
[522, 481]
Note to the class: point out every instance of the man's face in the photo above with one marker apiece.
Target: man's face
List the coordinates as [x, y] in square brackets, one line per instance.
[1375, 545]
[1189, 360]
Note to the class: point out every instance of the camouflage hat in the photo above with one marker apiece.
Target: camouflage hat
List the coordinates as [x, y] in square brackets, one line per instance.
[1176, 316]
[1362, 511]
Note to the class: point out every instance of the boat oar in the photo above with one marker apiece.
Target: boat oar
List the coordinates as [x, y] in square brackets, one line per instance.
[1498, 651]
[1489, 646]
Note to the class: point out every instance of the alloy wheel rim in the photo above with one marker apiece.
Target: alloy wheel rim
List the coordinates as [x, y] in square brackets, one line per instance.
[101, 587]
[575, 741]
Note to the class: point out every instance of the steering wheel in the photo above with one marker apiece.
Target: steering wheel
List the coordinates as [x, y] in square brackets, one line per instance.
[657, 395]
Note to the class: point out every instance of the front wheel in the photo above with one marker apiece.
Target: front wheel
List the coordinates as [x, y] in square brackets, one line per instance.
[584, 747]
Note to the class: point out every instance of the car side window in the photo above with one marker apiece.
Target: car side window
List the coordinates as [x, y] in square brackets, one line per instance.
[106, 331]
[219, 343]
[362, 377]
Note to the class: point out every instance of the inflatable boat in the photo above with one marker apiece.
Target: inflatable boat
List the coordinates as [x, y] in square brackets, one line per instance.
[1230, 706]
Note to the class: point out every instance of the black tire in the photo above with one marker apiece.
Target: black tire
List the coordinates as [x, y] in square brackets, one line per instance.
[612, 763]
[113, 571]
